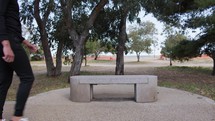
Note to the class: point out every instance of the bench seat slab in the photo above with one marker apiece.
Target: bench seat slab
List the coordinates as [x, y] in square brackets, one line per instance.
[81, 87]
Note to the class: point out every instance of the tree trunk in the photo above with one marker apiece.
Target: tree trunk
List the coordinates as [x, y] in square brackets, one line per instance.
[48, 57]
[76, 65]
[96, 56]
[85, 60]
[44, 36]
[213, 57]
[59, 58]
[119, 70]
[213, 72]
[119, 61]
[138, 57]
[170, 61]
[79, 39]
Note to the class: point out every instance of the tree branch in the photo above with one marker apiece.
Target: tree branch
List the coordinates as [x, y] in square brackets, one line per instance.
[37, 14]
[94, 14]
[49, 9]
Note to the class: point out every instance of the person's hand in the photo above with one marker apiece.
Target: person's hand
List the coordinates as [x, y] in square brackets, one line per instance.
[30, 46]
[8, 52]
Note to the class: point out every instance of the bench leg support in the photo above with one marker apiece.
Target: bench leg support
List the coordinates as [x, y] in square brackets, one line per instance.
[80, 92]
[145, 93]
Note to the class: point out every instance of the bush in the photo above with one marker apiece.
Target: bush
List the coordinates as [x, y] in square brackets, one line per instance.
[36, 57]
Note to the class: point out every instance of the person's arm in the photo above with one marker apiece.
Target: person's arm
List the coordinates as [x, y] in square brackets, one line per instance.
[30, 46]
[8, 52]
[3, 8]
[4, 40]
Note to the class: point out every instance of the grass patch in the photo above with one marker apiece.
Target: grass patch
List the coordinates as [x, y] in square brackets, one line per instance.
[41, 84]
[44, 83]
[38, 62]
[201, 89]
[193, 79]
[187, 69]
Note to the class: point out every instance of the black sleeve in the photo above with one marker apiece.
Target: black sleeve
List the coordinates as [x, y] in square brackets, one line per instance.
[21, 38]
[3, 8]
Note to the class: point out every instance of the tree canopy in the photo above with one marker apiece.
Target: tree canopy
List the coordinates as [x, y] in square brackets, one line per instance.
[188, 14]
[170, 43]
[106, 20]
[142, 37]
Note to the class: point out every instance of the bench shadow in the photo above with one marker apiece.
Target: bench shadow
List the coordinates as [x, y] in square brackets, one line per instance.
[112, 99]
[113, 93]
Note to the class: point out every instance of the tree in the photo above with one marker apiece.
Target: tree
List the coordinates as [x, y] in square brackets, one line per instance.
[193, 14]
[80, 33]
[43, 33]
[79, 37]
[171, 41]
[92, 47]
[41, 12]
[115, 27]
[122, 38]
[95, 48]
[142, 38]
[188, 49]
[79, 21]
[210, 51]
[128, 10]
[61, 37]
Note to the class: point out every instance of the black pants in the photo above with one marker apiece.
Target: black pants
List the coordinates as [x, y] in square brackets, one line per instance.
[22, 67]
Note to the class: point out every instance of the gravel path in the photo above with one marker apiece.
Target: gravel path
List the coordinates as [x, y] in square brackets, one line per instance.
[172, 105]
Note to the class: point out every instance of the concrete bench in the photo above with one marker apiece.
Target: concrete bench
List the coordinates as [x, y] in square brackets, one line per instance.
[81, 87]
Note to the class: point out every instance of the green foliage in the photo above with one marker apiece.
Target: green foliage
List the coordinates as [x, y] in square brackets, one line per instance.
[61, 35]
[170, 43]
[107, 24]
[93, 47]
[188, 14]
[142, 37]
[36, 57]
[188, 49]
[204, 3]
[210, 49]
[185, 50]
[139, 46]
[133, 7]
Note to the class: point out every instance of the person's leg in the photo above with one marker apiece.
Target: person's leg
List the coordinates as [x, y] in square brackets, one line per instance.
[22, 67]
[6, 74]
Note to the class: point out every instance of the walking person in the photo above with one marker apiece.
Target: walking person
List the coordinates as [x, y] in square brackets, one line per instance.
[13, 58]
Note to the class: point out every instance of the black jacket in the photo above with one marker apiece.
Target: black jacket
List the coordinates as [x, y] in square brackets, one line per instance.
[10, 20]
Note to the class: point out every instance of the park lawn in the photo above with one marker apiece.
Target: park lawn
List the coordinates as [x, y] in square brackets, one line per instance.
[193, 79]
[197, 80]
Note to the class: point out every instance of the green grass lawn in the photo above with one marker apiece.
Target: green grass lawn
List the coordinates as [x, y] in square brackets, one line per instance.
[193, 79]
